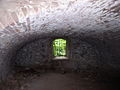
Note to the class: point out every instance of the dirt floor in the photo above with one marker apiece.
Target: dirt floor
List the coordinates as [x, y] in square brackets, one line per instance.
[55, 81]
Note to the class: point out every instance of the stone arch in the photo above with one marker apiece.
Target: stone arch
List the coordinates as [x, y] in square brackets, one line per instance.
[18, 32]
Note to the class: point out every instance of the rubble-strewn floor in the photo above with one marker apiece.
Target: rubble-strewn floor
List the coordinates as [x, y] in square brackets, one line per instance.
[55, 81]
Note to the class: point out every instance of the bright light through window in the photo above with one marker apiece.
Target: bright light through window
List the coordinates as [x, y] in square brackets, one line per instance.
[59, 47]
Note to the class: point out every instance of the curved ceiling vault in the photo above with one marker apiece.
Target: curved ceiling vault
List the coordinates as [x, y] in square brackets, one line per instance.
[26, 15]
[24, 20]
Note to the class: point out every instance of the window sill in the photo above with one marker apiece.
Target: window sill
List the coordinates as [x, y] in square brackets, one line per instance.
[60, 58]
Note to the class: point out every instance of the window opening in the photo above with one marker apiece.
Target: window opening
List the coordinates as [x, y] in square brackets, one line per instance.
[59, 47]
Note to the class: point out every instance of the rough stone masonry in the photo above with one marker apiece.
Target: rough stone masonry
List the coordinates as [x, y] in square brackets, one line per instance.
[91, 26]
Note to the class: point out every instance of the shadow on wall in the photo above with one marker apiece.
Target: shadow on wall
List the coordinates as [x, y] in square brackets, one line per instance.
[82, 56]
[27, 50]
[33, 53]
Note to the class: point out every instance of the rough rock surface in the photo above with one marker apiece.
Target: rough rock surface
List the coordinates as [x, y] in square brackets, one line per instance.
[96, 22]
[81, 55]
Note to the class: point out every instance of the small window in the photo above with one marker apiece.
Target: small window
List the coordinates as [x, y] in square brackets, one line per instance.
[59, 48]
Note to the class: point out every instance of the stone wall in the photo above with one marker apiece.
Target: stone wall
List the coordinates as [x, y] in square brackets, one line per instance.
[95, 22]
[81, 55]
[86, 56]
[33, 54]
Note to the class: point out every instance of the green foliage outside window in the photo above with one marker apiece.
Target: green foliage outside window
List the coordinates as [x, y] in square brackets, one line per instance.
[59, 47]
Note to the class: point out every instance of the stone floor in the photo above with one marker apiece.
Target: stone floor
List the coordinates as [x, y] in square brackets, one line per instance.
[56, 81]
